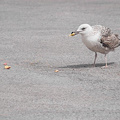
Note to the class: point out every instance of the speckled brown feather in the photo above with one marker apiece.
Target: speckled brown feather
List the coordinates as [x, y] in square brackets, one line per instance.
[111, 41]
[103, 30]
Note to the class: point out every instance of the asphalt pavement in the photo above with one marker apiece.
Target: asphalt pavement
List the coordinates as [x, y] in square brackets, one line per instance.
[52, 75]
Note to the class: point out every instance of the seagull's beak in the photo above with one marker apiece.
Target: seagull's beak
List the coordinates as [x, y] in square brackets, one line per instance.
[74, 33]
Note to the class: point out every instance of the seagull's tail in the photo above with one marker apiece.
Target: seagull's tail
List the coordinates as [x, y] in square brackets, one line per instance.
[119, 41]
[118, 44]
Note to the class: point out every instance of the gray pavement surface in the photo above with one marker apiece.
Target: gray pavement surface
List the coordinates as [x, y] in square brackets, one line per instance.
[34, 41]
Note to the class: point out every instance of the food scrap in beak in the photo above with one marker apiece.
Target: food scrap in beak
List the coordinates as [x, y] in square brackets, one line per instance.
[72, 34]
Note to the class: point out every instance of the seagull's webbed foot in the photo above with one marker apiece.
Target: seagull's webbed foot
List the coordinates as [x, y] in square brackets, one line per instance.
[103, 67]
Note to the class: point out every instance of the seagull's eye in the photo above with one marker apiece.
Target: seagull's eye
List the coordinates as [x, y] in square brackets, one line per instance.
[83, 28]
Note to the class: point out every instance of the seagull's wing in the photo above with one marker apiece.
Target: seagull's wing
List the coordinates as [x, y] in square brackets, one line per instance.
[112, 41]
[108, 39]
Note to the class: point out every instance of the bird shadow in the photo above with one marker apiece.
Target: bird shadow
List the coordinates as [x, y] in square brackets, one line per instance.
[86, 65]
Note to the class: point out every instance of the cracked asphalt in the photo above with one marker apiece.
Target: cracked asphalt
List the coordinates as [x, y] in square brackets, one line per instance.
[34, 41]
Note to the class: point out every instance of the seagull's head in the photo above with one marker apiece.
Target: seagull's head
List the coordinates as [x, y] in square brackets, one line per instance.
[83, 29]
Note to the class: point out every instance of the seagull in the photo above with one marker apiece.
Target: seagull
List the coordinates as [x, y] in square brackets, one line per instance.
[98, 38]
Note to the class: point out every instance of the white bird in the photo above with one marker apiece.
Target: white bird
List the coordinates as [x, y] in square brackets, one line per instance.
[98, 39]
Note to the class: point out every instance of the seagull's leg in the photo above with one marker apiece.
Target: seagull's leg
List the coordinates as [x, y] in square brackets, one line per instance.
[105, 62]
[95, 58]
